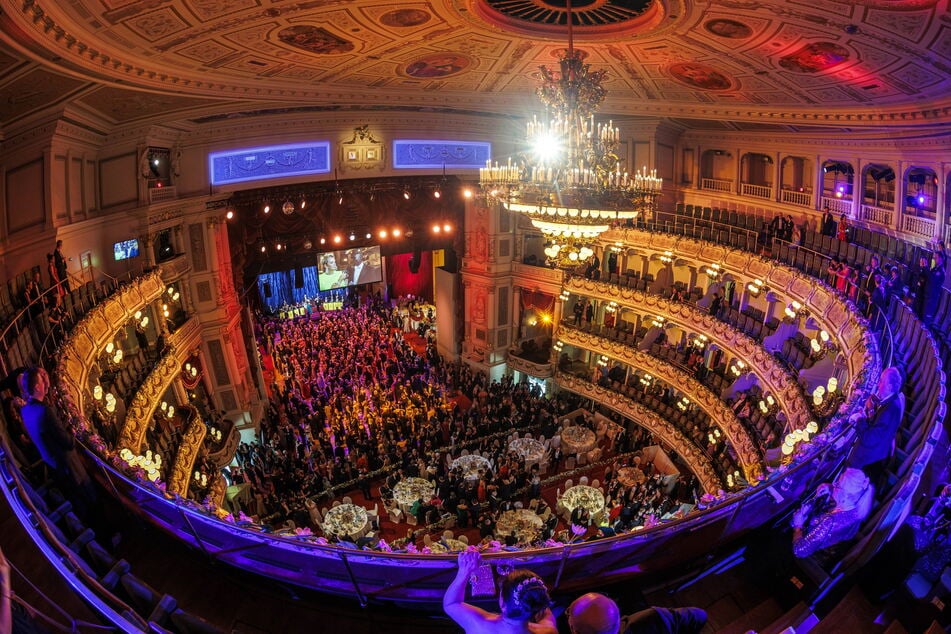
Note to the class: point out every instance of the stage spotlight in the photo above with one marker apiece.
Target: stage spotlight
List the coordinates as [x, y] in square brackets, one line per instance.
[263, 248]
[369, 235]
[277, 246]
[353, 236]
[337, 239]
[288, 208]
[467, 193]
[447, 227]
[308, 244]
[323, 240]
[382, 234]
[230, 214]
[303, 203]
[436, 229]
[267, 209]
[406, 194]
[396, 232]
[437, 194]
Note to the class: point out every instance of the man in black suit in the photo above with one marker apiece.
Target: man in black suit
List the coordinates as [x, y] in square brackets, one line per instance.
[828, 222]
[363, 271]
[875, 431]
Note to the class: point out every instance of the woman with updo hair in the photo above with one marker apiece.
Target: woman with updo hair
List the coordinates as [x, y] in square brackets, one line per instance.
[523, 599]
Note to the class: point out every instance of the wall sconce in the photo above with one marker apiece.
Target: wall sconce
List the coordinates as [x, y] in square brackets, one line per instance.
[657, 321]
[145, 321]
[97, 392]
[667, 257]
[603, 361]
[738, 368]
[755, 287]
[713, 271]
[617, 247]
[558, 345]
[110, 348]
[138, 315]
[646, 380]
[699, 341]
[683, 404]
[564, 296]
[824, 336]
[815, 345]
[832, 385]
[794, 309]
[110, 402]
[611, 307]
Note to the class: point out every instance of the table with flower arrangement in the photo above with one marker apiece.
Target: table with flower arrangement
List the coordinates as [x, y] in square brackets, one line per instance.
[584, 496]
[529, 449]
[576, 439]
[630, 476]
[346, 520]
[471, 466]
[408, 490]
[454, 545]
[525, 522]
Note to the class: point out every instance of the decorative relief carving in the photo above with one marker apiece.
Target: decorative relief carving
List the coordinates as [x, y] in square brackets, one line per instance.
[669, 434]
[139, 413]
[775, 378]
[721, 415]
[188, 449]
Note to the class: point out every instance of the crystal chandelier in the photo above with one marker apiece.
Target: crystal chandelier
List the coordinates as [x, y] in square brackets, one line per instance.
[572, 185]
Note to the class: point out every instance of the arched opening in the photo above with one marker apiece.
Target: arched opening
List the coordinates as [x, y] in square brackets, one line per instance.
[838, 181]
[920, 202]
[878, 194]
[796, 179]
[717, 171]
[756, 175]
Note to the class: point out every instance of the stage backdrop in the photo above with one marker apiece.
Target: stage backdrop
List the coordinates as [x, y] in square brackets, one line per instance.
[401, 281]
[280, 287]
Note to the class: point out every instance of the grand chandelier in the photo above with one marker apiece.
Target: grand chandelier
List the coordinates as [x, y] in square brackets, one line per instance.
[571, 184]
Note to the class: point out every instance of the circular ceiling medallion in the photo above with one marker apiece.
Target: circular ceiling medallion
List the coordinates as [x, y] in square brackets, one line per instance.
[405, 17]
[436, 65]
[730, 29]
[700, 76]
[589, 17]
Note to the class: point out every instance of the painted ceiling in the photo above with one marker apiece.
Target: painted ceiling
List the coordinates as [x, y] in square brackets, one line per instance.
[729, 63]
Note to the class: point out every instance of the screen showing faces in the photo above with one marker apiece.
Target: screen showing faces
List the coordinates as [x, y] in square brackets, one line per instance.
[349, 267]
[126, 249]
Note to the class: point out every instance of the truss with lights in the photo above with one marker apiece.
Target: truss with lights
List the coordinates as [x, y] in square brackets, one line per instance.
[572, 185]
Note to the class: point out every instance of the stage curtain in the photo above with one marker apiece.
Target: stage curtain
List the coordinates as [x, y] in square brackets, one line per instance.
[401, 281]
[539, 301]
[283, 291]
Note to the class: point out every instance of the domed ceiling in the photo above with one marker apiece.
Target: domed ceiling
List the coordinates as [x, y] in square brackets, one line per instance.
[845, 63]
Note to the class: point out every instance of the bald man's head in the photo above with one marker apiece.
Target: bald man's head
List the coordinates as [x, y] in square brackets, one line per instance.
[594, 613]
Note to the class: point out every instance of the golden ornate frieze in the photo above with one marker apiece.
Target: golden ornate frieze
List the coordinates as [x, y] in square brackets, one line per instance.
[672, 437]
[540, 370]
[147, 399]
[850, 333]
[175, 268]
[773, 376]
[100, 326]
[719, 412]
[188, 449]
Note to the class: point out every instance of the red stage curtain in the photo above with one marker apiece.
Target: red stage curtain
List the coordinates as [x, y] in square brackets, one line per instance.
[401, 281]
[538, 300]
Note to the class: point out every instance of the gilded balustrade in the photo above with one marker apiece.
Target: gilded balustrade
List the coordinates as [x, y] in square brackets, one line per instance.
[719, 413]
[147, 399]
[773, 376]
[99, 326]
[849, 332]
[695, 458]
[188, 449]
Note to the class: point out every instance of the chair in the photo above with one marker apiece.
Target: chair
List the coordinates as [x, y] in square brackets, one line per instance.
[569, 463]
[336, 503]
[427, 540]
[583, 480]
[448, 535]
[411, 519]
[396, 515]
[582, 459]
[463, 539]
[347, 499]
[569, 483]
[595, 483]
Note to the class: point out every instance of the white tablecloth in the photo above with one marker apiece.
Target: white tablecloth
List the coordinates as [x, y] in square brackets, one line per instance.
[470, 466]
[408, 490]
[581, 495]
[577, 439]
[346, 520]
[529, 449]
[525, 522]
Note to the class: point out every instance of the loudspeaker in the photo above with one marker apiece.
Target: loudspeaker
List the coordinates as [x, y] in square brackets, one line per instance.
[299, 276]
[414, 261]
[267, 289]
[450, 262]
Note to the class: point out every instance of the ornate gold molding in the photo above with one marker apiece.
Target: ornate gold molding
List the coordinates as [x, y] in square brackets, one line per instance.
[146, 400]
[698, 462]
[100, 326]
[772, 375]
[542, 371]
[846, 328]
[188, 449]
[720, 414]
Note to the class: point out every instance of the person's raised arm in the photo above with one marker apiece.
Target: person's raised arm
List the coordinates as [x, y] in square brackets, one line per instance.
[469, 617]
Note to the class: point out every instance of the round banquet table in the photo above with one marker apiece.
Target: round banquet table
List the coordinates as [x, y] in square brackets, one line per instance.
[470, 466]
[455, 546]
[630, 476]
[346, 520]
[528, 449]
[408, 490]
[525, 522]
[577, 439]
[581, 495]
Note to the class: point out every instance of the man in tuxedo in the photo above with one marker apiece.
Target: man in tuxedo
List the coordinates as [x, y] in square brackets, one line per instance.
[363, 271]
[876, 429]
[828, 222]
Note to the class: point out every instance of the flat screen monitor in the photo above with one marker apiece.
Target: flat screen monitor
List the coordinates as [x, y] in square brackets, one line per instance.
[349, 267]
[126, 249]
